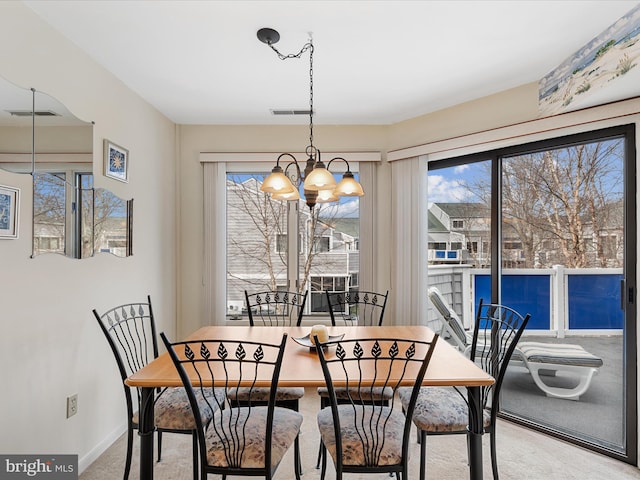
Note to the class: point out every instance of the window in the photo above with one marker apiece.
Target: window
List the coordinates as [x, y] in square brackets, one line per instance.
[262, 254]
[62, 223]
[321, 244]
[321, 284]
[457, 224]
[281, 242]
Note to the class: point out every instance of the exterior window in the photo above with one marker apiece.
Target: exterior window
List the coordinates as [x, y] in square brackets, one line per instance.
[457, 224]
[281, 243]
[321, 244]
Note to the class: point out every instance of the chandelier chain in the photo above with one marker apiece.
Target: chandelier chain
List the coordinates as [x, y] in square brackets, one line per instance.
[307, 46]
[311, 97]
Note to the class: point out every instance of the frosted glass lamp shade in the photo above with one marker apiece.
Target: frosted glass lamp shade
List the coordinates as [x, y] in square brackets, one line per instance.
[320, 179]
[295, 195]
[277, 182]
[349, 187]
[326, 196]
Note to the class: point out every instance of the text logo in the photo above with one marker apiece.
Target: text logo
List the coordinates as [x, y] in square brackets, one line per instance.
[49, 467]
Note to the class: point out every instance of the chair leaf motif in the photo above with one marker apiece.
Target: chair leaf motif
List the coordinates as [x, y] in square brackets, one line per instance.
[411, 351]
[358, 352]
[222, 351]
[241, 353]
[376, 351]
[188, 352]
[340, 352]
[394, 350]
[258, 355]
[204, 352]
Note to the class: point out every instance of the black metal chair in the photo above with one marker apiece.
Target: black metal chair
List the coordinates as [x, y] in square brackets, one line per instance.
[357, 308]
[249, 440]
[130, 330]
[364, 435]
[445, 410]
[274, 309]
[350, 309]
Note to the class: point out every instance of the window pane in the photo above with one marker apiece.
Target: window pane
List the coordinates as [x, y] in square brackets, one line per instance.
[258, 242]
[459, 214]
[256, 239]
[563, 215]
[49, 212]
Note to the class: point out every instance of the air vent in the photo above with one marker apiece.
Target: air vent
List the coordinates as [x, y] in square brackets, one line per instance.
[290, 112]
[37, 113]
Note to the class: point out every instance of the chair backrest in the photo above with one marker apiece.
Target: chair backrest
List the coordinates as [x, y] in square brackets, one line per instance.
[364, 367]
[130, 330]
[357, 307]
[452, 323]
[496, 333]
[228, 364]
[275, 308]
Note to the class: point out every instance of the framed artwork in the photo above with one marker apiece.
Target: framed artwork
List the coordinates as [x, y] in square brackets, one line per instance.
[9, 211]
[116, 161]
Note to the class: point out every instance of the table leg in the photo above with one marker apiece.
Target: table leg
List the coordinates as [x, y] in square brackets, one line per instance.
[146, 429]
[476, 429]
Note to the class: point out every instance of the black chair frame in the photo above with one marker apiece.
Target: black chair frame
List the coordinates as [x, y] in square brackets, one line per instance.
[130, 330]
[372, 433]
[275, 308]
[202, 356]
[357, 307]
[496, 325]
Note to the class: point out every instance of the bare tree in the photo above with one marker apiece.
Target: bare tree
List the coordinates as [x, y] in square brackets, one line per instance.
[257, 237]
[563, 206]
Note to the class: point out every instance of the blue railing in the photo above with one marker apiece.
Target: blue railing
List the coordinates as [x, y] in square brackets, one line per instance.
[592, 300]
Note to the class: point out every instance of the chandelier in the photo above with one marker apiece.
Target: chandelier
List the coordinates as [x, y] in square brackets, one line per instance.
[319, 184]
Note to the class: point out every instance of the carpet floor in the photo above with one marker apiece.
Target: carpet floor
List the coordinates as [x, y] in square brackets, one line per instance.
[522, 454]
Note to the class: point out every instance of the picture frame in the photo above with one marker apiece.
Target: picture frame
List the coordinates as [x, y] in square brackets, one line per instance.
[116, 161]
[9, 212]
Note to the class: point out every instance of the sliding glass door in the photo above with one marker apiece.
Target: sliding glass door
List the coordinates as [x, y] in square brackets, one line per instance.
[559, 227]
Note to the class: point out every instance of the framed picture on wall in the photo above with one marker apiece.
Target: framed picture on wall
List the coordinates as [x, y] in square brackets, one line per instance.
[9, 211]
[116, 161]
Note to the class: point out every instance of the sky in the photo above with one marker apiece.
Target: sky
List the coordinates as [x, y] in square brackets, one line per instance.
[449, 184]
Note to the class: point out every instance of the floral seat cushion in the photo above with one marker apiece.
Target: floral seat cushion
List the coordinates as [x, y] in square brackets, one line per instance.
[247, 446]
[261, 394]
[440, 409]
[173, 411]
[362, 422]
[359, 394]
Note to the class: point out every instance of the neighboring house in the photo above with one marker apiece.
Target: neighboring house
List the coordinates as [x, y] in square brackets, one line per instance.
[461, 232]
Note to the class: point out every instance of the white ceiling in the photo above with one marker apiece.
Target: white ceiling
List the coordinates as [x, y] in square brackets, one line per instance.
[375, 62]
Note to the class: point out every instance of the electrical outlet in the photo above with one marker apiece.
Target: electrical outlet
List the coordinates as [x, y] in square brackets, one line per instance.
[72, 405]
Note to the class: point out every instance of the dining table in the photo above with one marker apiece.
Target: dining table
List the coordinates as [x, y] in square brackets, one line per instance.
[301, 368]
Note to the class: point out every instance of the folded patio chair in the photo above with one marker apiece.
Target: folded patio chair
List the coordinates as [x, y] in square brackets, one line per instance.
[540, 359]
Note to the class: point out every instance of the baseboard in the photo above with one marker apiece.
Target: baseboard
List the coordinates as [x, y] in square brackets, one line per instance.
[100, 448]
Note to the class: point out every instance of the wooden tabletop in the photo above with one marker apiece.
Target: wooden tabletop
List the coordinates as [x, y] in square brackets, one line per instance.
[301, 367]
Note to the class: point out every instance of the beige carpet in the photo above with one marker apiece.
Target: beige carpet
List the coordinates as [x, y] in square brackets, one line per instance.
[522, 454]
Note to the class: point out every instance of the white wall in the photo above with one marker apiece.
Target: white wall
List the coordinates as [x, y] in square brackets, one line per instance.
[50, 344]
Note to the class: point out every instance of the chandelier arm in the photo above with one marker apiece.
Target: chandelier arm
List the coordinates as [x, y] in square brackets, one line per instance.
[339, 158]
